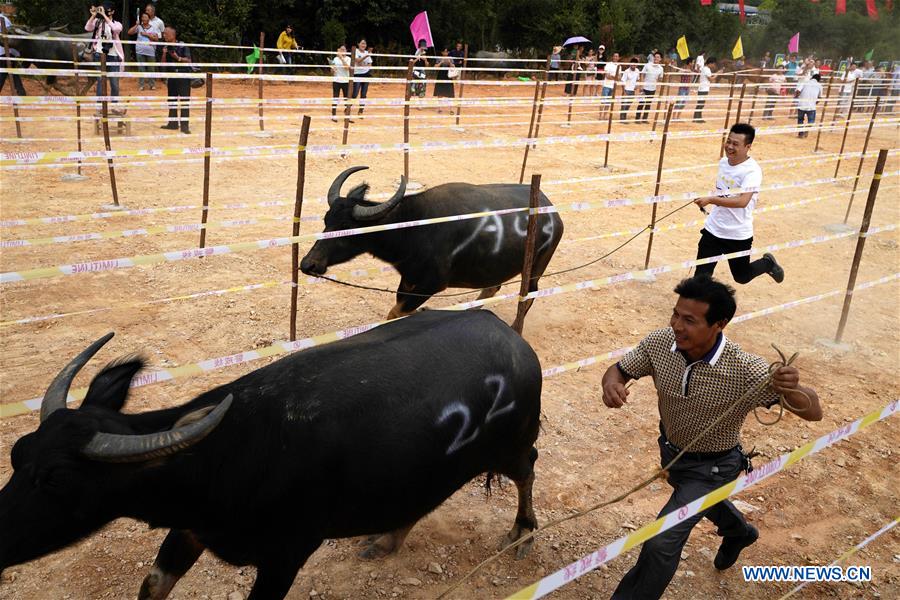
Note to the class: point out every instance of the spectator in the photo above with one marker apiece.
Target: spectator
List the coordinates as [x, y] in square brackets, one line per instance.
[105, 32]
[729, 226]
[590, 73]
[458, 54]
[553, 66]
[895, 87]
[849, 78]
[764, 63]
[610, 70]
[158, 27]
[773, 90]
[651, 72]
[629, 83]
[808, 94]
[703, 78]
[417, 86]
[362, 71]
[685, 79]
[13, 53]
[177, 58]
[340, 68]
[286, 41]
[443, 88]
[571, 88]
[145, 52]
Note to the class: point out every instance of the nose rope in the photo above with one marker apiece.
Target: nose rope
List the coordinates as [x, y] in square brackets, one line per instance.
[517, 281]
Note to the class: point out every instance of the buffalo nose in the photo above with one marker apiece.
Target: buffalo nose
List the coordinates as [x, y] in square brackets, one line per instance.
[311, 267]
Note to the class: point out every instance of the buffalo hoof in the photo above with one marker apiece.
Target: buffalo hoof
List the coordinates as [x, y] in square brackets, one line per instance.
[378, 548]
[523, 549]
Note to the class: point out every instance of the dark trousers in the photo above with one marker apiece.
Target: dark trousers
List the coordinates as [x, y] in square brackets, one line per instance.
[176, 90]
[16, 81]
[701, 102]
[361, 85]
[627, 98]
[742, 269]
[336, 90]
[643, 109]
[691, 477]
[770, 104]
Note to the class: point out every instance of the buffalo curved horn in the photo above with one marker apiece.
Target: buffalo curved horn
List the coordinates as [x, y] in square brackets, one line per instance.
[113, 447]
[370, 213]
[55, 396]
[334, 192]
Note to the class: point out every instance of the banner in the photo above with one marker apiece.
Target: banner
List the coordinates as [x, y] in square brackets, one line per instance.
[794, 44]
[872, 9]
[421, 30]
[743, 14]
[682, 48]
[738, 50]
[840, 7]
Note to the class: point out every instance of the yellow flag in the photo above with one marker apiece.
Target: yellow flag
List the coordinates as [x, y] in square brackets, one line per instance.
[738, 50]
[682, 48]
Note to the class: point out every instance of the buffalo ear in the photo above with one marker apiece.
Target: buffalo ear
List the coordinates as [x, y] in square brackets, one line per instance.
[358, 193]
[109, 388]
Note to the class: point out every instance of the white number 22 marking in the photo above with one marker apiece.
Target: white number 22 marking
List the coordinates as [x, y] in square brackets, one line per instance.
[497, 408]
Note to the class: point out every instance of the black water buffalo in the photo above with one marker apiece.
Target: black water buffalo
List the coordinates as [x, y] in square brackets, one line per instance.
[473, 253]
[47, 47]
[494, 60]
[362, 436]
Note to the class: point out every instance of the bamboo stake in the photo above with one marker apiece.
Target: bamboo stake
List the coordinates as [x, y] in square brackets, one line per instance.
[727, 114]
[407, 96]
[462, 81]
[259, 70]
[295, 227]
[528, 263]
[207, 159]
[537, 86]
[824, 109]
[659, 166]
[612, 107]
[104, 111]
[537, 125]
[862, 157]
[846, 127]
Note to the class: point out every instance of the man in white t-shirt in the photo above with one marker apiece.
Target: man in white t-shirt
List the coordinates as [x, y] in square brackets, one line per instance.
[610, 74]
[849, 79]
[808, 94]
[705, 75]
[729, 225]
[652, 73]
[629, 83]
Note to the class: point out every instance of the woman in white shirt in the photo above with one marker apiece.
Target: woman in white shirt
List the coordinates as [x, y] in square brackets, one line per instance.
[105, 30]
[629, 83]
[145, 52]
[340, 68]
[362, 67]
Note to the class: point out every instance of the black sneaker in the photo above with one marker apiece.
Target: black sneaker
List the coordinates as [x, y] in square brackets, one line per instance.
[169, 126]
[185, 130]
[731, 548]
[775, 271]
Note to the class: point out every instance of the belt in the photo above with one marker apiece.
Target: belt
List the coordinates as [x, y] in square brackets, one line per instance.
[695, 455]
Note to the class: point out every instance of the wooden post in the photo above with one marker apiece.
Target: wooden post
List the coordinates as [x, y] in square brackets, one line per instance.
[295, 229]
[837, 167]
[9, 65]
[537, 86]
[207, 159]
[659, 166]
[259, 70]
[727, 114]
[824, 109]
[104, 111]
[462, 81]
[77, 107]
[737, 116]
[530, 243]
[662, 85]
[537, 125]
[861, 242]
[753, 104]
[407, 95]
[862, 157]
[347, 106]
[612, 110]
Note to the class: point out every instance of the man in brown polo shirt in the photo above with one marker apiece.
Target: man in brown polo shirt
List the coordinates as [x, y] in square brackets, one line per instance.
[699, 374]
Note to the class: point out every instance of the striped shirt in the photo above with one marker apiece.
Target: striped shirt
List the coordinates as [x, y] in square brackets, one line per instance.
[693, 395]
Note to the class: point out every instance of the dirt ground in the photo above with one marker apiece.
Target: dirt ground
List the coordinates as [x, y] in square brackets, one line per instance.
[809, 514]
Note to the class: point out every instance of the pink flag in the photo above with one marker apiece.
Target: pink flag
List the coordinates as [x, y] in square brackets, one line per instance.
[794, 44]
[421, 30]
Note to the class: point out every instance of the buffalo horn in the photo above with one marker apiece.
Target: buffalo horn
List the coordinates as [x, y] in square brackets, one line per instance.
[370, 213]
[334, 192]
[55, 396]
[112, 447]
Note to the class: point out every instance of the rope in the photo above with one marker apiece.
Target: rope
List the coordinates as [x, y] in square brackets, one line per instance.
[660, 473]
[456, 294]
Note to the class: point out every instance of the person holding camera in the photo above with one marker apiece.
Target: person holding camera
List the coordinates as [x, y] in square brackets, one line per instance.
[105, 32]
[176, 58]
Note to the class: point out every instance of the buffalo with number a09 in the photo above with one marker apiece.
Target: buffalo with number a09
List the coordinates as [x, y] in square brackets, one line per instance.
[361, 437]
[478, 253]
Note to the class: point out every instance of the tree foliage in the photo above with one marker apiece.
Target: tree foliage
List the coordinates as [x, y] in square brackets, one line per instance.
[529, 26]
